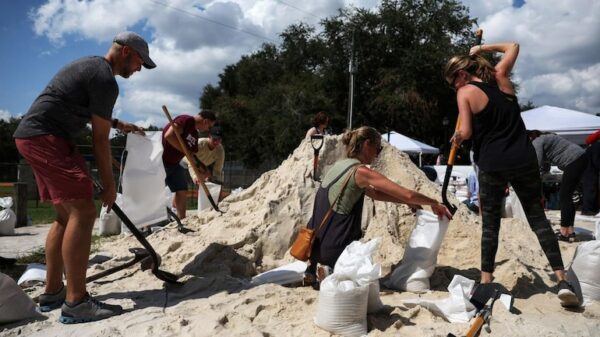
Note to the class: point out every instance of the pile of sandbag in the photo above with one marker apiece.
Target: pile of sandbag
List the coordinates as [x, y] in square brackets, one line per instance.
[420, 255]
[7, 217]
[352, 291]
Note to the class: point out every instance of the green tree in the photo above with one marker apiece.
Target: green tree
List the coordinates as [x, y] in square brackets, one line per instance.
[266, 100]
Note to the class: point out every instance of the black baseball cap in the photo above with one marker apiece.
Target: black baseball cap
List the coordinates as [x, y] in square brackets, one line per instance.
[137, 43]
[216, 132]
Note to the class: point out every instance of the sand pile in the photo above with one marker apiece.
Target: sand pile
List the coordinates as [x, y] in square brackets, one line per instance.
[224, 251]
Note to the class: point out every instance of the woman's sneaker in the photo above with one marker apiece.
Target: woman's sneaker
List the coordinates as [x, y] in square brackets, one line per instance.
[49, 302]
[567, 296]
[88, 310]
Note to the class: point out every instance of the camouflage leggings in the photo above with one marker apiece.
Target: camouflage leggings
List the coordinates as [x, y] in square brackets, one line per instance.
[528, 186]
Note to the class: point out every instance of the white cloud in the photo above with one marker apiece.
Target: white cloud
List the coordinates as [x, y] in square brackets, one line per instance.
[559, 44]
[5, 115]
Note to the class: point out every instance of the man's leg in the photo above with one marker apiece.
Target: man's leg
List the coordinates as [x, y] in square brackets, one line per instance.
[76, 246]
[54, 260]
[180, 201]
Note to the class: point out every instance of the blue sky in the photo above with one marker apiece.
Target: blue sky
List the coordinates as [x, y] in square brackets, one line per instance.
[558, 65]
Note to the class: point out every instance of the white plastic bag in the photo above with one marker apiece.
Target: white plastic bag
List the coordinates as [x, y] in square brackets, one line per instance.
[456, 308]
[144, 180]
[8, 218]
[203, 202]
[584, 270]
[15, 305]
[109, 223]
[342, 306]
[420, 255]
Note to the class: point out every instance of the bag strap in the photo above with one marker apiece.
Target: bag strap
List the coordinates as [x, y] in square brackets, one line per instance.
[330, 210]
[341, 174]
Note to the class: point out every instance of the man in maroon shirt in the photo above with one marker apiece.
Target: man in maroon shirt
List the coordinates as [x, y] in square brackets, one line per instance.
[188, 127]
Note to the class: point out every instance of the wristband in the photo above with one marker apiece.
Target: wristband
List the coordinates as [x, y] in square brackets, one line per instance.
[115, 123]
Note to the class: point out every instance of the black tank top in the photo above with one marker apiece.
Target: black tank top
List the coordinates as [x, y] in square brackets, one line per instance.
[500, 140]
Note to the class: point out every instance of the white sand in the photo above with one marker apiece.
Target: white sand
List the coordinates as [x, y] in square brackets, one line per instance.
[224, 251]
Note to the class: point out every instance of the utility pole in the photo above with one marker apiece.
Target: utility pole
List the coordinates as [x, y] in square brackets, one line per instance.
[352, 70]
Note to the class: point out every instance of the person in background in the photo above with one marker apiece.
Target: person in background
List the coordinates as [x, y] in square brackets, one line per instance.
[589, 204]
[489, 112]
[84, 91]
[552, 149]
[320, 123]
[210, 153]
[472, 202]
[363, 145]
[188, 127]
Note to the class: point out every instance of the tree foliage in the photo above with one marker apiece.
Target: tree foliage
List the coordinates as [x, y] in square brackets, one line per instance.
[266, 100]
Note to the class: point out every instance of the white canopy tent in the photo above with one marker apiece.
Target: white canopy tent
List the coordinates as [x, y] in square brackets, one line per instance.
[569, 124]
[409, 145]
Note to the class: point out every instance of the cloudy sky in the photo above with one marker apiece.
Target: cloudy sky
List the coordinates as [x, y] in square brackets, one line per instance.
[192, 40]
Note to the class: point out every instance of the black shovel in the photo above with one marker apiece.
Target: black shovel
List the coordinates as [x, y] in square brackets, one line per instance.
[316, 149]
[160, 274]
[139, 255]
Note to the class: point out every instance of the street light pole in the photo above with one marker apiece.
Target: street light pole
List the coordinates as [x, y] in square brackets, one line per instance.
[352, 70]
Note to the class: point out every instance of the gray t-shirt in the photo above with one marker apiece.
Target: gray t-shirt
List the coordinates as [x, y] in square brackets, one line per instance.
[555, 150]
[84, 87]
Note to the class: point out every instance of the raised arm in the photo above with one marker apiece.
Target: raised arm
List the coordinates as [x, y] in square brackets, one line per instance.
[506, 64]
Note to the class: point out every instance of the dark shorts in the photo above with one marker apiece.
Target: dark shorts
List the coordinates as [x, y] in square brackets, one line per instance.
[60, 171]
[176, 178]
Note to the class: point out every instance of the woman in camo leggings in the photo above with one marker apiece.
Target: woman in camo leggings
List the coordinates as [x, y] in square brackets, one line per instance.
[490, 113]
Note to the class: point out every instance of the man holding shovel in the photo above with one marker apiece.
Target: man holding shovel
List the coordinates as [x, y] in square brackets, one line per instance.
[84, 91]
[188, 127]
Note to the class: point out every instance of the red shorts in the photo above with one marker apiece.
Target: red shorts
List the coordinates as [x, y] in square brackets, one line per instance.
[60, 171]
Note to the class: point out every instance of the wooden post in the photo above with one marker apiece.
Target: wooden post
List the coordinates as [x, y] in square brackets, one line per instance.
[21, 204]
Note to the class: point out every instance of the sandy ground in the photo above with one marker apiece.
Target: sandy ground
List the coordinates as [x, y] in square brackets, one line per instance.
[217, 260]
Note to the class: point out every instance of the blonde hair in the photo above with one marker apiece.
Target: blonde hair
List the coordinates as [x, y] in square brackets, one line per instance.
[475, 65]
[354, 139]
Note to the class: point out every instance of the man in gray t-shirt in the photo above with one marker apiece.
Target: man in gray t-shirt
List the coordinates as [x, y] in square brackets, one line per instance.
[82, 92]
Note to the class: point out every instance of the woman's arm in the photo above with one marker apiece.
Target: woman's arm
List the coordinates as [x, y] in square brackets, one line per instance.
[506, 64]
[381, 188]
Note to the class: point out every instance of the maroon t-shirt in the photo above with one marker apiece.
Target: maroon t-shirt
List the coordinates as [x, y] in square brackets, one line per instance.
[171, 155]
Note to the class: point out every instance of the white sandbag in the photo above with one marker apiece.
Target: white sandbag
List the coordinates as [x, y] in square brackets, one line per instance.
[8, 218]
[203, 202]
[342, 307]
[144, 180]
[420, 255]
[15, 305]
[356, 262]
[286, 274]
[513, 208]
[34, 274]
[456, 308]
[109, 223]
[597, 232]
[584, 268]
